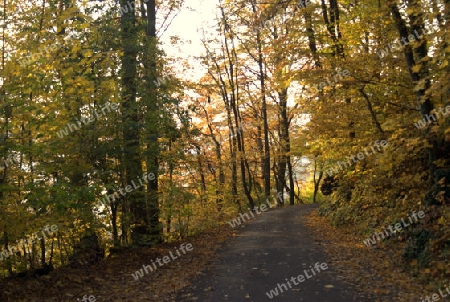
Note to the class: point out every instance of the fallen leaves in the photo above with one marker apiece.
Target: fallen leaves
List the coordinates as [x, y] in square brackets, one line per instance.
[373, 271]
[111, 280]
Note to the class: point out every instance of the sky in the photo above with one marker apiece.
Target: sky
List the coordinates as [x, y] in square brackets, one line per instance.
[195, 17]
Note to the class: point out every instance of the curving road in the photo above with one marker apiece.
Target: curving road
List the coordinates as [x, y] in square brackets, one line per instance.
[273, 258]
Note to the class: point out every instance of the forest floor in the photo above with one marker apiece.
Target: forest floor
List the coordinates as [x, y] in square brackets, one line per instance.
[241, 264]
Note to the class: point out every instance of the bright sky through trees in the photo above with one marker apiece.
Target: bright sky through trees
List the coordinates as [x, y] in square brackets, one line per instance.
[195, 17]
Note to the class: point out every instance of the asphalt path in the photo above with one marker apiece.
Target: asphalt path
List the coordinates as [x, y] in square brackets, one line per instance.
[274, 255]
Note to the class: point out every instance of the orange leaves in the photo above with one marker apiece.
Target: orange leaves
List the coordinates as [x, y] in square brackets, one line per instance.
[361, 266]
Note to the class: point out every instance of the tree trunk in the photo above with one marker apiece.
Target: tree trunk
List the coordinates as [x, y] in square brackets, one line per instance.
[266, 170]
[332, 25]
[372, 112]
[132, 202]
[202, 173]
[421, 76]
[234, 97]
[43, 263]
[311, 37]
[316, 181]
[114, 206]
[152, 124]
[283, 138]
[291, 176]
[220, 181]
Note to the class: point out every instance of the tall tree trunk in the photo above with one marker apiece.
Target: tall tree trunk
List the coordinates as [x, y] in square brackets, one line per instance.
[234, 177]
[231, 137]
[260, 145]
[152, 124]
[114, 206]
[266, 170]
[43, 263]
[220, 181]
[283, 119]
[130, 125]
[291, 178]
[333, 26]
[283, 132]
[169, 211]
[4, 175]
[287, 141]
[421, 76]
[234, 97]
[243, 166]
[200, 170]
[311, 37]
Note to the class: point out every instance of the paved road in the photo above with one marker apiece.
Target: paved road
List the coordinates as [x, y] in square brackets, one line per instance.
[268, 252]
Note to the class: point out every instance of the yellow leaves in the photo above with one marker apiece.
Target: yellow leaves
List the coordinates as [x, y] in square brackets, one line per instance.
[440, 34]
[417, 68]
[85, 25]
[440, 196]
[440, 163]
[421, 84]
[440, 265]
[435, 129]
[87, 53]
[27, 90]
[441, 181]
[76, 48]
[67, 71]
[69, 13]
